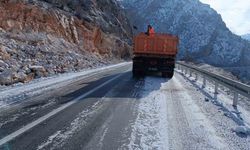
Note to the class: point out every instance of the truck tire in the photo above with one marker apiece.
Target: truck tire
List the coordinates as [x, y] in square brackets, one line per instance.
[138, 73]
[135, 73]
[164, 74]
[167, 74]
[171, 74]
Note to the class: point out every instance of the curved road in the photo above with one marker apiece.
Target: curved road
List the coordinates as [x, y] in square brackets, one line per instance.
[111, 110]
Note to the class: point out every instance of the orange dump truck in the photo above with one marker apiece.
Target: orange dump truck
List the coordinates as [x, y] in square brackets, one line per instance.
[156, 53]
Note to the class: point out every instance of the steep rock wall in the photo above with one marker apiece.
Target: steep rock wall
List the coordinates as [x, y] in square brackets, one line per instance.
[41, 38]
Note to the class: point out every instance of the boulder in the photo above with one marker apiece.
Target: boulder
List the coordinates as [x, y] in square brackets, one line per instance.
[39, 71]
[3, 64]
[28, 78]
[1, 69]
[5, 79]
[51, 71]
[3, 53]
[2, 49]
[8, 77]
[21, 76]
[5, 49]
[26, 69]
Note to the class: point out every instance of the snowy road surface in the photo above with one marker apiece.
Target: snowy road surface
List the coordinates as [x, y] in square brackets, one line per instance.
[109, 109]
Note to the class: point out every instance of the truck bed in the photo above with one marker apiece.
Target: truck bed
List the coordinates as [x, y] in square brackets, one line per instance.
[157, 44]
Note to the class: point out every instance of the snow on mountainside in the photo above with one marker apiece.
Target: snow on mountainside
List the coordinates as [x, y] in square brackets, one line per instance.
[204, 36]
[246, 36]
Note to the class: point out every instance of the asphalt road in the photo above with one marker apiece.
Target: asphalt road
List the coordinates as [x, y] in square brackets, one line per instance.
[112, 110]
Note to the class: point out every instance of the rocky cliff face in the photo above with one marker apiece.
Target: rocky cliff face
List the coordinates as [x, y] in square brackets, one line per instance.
[203, 35]
[43, 37]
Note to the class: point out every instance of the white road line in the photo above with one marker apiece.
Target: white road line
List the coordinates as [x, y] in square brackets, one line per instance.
[52, 113]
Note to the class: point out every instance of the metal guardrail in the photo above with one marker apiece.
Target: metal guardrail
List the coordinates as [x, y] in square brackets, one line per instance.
[237, 87]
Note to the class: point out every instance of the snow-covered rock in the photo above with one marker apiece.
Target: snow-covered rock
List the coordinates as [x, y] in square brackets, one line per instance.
[39, 71]
[22, 77]
[3, 64]
[8, 76]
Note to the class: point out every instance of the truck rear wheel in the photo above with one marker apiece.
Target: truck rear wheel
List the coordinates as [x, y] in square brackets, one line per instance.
[171, 74]
[167, 74]
[164, 74]
[137, 73]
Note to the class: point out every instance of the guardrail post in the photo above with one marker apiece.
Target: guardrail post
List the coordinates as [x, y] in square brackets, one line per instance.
[216, 87]
[204, 82]
[236, 97]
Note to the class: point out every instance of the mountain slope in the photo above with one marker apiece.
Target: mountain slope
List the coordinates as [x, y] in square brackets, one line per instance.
[246, 36]
[204, 36]
[44, 37]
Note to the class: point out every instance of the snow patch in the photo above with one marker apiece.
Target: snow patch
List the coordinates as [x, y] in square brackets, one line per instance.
[224, 99]
[197, 120]
[149, 131]
[103, 136]
[49, 141]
